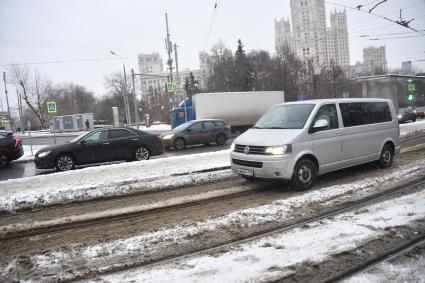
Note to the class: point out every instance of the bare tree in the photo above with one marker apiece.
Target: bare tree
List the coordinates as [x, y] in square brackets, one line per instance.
[34, 89]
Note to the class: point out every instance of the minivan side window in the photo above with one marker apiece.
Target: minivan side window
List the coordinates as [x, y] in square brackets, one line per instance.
[363, 113]
[327, 112]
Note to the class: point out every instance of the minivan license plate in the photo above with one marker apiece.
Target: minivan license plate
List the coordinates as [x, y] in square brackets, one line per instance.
[243, 171]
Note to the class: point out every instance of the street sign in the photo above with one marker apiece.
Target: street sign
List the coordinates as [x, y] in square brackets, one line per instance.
[411, 87]
[169, 86]
[51, 107]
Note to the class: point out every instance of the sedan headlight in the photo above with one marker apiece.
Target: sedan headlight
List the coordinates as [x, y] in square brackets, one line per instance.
[167, 137]
[44, 153]
[400, 116]
[278, 149]
[232, 146]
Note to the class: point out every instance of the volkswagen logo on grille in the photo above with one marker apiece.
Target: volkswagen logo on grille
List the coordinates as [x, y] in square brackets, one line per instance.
[246, 149]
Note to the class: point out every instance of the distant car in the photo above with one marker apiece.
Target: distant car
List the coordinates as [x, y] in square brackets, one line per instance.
[197, 132]
[420, 112]
[10, 148]
[406, 114]
[100, 145]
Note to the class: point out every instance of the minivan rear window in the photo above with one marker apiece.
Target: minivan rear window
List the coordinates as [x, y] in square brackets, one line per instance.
[364, 113]
[289, 116]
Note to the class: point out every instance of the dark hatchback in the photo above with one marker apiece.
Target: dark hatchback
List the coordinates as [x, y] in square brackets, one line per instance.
[100, 145]
[406, 114]
[204, 131]
[10, 148]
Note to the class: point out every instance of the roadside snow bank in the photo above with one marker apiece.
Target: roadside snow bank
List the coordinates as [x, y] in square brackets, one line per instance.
[410, 128]
[107, 180]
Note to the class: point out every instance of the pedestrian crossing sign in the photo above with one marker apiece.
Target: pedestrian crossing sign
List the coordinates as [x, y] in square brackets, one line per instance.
[170, 87]
[51, 107]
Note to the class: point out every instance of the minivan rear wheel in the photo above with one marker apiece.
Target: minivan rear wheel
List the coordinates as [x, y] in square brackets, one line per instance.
[304, 176]
[386, 158]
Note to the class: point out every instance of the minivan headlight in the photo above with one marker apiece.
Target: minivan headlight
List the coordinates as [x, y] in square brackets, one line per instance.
[232, 146]
[278, 149]
[44, 153]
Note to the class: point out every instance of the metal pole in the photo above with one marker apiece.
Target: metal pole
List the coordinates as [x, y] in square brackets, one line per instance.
[7, 97]
[136, 113]
[20, 111]
[177, 89]
[126, 95]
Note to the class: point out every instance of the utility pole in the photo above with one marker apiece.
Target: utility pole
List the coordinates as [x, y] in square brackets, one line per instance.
[177, 88]
[169, 48]
[136, 113]
[7, 98]
[183, 96]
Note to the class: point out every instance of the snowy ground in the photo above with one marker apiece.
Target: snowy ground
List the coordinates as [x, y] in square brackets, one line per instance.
[28, 155]
[258, 261]
[269, 258]
[106, 180]
[409, 128]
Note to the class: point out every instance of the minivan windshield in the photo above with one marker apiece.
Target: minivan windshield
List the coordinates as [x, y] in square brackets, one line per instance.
[289, 116]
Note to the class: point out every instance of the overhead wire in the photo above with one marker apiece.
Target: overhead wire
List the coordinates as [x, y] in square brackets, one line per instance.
[214, 15]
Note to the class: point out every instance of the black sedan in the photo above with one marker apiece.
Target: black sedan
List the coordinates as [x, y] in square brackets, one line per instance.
[98, 146]
[10, 148]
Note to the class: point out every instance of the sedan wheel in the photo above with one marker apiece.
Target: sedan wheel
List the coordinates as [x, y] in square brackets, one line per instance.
[65, 162]
[179, 144]
[220, 139]
[4, 159]
[142, 153]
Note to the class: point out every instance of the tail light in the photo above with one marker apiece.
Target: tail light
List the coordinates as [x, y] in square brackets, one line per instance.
[228, 127]
[16, 143]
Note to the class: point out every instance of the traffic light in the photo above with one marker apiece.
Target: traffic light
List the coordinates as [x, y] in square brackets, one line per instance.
[410, 97]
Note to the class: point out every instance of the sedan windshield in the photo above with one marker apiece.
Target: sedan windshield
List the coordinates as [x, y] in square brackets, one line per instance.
[290, 116]
[182, 126]
[77, 138]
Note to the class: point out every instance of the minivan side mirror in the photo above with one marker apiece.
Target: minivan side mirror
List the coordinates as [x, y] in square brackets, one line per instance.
[319, 125]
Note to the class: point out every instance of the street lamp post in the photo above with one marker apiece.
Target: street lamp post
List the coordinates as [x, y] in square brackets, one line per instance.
[125, 94]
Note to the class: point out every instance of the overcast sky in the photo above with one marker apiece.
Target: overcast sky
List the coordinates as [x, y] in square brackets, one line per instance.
[84, 31]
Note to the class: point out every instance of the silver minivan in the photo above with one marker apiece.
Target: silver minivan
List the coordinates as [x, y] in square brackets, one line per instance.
[298, 141]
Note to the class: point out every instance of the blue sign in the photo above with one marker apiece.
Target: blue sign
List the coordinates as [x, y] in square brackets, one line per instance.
[51, 107]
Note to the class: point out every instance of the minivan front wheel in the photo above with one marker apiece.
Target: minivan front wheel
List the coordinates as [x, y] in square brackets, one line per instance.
[386, 158]
[305, 174]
